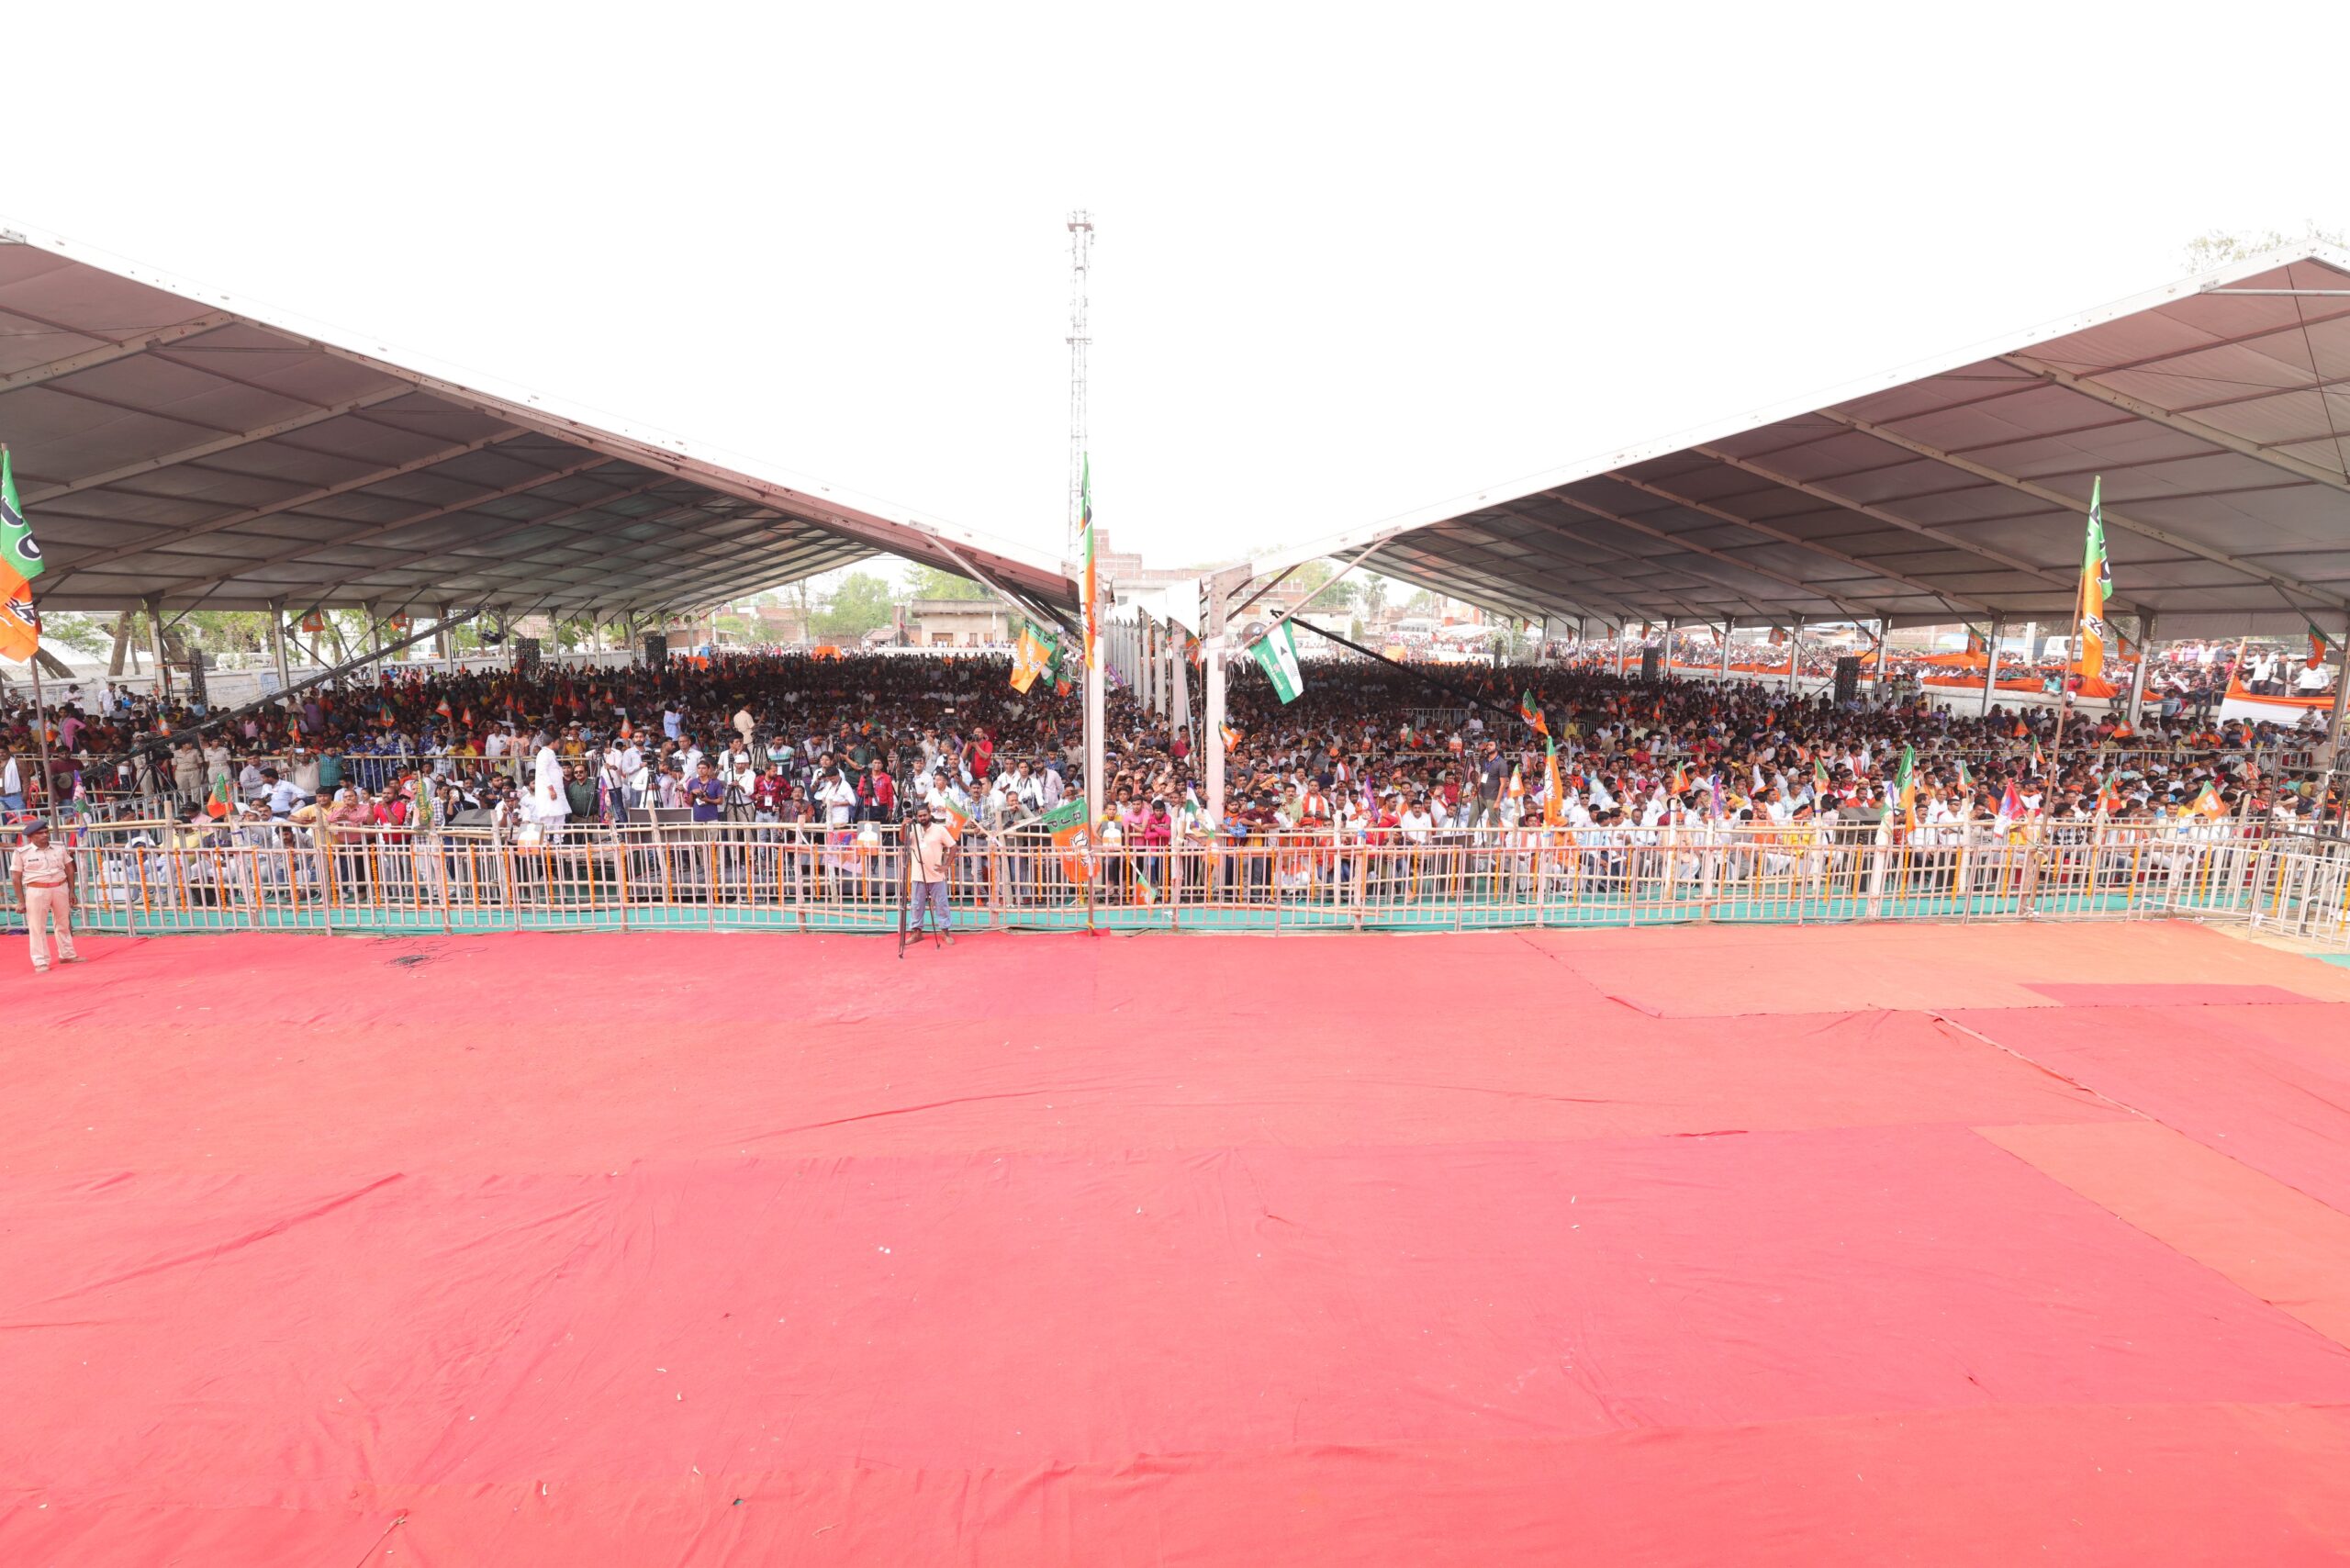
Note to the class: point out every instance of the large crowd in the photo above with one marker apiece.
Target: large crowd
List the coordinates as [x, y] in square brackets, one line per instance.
[1369, 750]
[2185, 676]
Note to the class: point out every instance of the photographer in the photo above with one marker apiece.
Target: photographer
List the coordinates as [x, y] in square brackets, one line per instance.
[933, 854]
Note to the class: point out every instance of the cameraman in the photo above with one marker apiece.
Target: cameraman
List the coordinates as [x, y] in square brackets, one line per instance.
[933, 854]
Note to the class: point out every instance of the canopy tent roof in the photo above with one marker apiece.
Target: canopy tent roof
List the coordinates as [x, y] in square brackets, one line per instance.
[1955, 490]
[174, 445]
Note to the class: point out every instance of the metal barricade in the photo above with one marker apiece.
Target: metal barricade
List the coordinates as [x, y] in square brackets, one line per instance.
[156, 878]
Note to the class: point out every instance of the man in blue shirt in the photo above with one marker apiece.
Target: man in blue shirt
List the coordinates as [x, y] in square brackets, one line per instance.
[706, 792]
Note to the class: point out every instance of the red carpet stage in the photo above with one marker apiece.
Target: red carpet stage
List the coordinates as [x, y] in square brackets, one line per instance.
[1997, 1245]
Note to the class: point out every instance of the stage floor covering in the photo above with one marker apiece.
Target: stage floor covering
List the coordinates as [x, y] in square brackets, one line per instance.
[1974, 1244]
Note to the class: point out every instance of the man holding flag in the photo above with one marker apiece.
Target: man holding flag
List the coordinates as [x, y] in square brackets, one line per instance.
[1905, 790]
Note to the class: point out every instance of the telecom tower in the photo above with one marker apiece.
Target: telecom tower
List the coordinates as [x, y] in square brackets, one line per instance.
[1080, 258]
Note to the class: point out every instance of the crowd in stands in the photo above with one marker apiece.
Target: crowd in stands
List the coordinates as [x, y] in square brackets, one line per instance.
[784, 739]
[2185, 678]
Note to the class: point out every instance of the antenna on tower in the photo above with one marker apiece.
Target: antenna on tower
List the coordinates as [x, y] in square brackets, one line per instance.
[1080, 258]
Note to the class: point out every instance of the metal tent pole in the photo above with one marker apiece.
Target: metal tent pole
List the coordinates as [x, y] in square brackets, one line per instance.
[1219, 587]
[2138, 676]
[2342, 708]
[155, 645]
[277, 643]
[1991, 669]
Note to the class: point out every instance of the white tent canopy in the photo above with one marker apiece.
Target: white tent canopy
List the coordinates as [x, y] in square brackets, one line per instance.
[175, 446]
[2217, 413]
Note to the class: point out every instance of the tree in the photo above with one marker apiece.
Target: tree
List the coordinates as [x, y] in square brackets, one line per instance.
[929, 582]
[858, 604]
[81, 632]
[1314, 575]
[2218, 247]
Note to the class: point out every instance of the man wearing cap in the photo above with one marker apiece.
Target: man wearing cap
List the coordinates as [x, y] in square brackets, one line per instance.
[44, 878]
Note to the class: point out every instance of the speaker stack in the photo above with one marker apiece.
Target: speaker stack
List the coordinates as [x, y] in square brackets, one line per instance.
[526, 653]
[1848, 678]
[1652, 663]
[657, 650]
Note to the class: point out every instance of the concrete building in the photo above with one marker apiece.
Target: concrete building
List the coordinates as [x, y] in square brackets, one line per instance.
[958, 623]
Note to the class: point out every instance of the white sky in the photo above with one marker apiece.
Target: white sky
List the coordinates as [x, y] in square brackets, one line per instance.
[1350, 261]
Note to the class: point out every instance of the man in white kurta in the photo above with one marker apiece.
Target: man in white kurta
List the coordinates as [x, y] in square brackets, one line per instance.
[548, 802]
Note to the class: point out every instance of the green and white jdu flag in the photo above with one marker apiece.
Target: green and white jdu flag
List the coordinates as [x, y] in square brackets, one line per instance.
[1277, 651]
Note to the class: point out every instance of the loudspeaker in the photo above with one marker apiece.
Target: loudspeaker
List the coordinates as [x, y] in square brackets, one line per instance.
[1847, 678]
[526, 653]
[1652, 663]
[657, 650]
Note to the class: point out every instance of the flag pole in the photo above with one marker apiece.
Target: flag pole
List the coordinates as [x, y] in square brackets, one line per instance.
[40, 733]
[2064, 695]
[2063, 707]
[2073, 642]
[41, 707]
[1097, 791]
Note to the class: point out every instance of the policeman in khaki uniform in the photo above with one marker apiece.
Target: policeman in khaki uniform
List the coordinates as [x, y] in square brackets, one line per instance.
[44, 878]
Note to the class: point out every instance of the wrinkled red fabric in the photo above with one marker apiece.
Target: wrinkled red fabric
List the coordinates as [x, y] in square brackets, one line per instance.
[744, 1250]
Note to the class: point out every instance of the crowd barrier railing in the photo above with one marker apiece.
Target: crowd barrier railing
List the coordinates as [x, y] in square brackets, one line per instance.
[155, 878]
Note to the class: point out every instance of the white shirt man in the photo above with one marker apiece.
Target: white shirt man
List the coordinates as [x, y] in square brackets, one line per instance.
[673, 723]
[548, 802]
[619, 770]
[838, 797]
[1026, 795]
[2312, 680]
